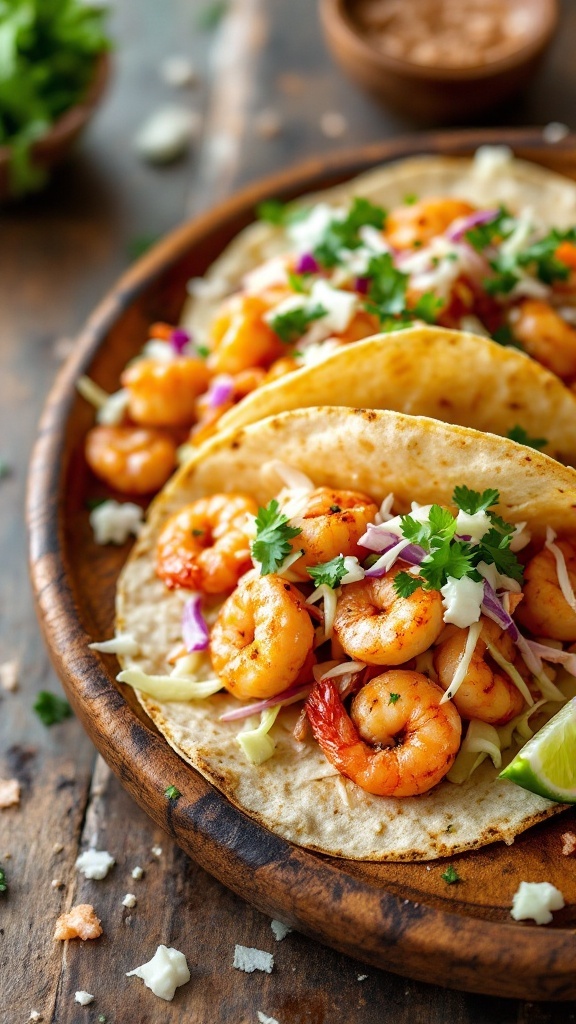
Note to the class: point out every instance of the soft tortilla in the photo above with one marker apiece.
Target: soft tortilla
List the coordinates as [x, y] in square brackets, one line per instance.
[430, 371]
[297, 794]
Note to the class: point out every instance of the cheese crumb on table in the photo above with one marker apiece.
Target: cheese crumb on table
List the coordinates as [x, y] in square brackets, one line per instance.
[95, 864]
[248, 959]
[57, 883]
[84, 998]
[264, 1019]
[535, 901]
[9, 672]
[79, 923]
[9, 793]
[280, 930]
[137, 872]
[156, 851]
[129, 900]
[164, 973]
[34, 1015]
[114, 521]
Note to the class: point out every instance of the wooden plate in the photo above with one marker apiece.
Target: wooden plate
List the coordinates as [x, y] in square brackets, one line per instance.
[402, 917]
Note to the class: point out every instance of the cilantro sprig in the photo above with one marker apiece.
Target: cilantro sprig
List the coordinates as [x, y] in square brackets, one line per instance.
[448, 556]
[387, 296]
[273, 536]
[450, 876]
[521, 436]
[330, 573]
[291, 325]
[344, 233]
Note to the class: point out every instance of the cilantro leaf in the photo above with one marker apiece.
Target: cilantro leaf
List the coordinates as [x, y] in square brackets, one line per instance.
[272, 537]
[299, 282]
[521, 436]
[172, 793]
[427, 307]
[450, 876]
[495, 548]
[290, 326]
[472, 501]
[493, 231]
[3, 882]
[387, 288]
[344, 233]
[452, 558]
[331, 573]
[272, 211]
[503, 336]
[433, 532]
[394, 698]
[50, 708]
[405, 584]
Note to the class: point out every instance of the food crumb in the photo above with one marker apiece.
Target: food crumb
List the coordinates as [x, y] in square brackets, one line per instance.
[137, 872]
[9, 793]
[84, 998]
[362, 977]
[264, 1019]
[555, 131]
[9, 673]
[129, 900]
[34, 1015]
[95, 864]
[248, 959]
[333, 124]
[57, 848]
[280, 930]
[535, 900]
[178, 71]
[267, 123]
[57, 883]
[79, 923]
[114, 521]
[156, 851]
[568, 843]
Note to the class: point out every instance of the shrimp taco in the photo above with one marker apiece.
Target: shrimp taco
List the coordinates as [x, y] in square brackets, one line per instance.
[485, 245]
[345, 618]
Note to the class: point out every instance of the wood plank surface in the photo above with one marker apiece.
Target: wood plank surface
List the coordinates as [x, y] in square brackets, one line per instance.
[59, 252]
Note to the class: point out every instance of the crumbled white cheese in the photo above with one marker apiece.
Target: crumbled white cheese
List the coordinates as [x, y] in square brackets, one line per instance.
[307, 232]
[267, 275]
[474, 525]
[178, 71]
[114, 521]
[84, 998]
[9, 793]
[536, 900]
[248, 959]
[264, 1019]
[339, 305]
[333, 124]
[57, 883]
[166, 134]
[122, 643]
[129, 900]
[159, 351]
[461, 600]
[114, 409]
[497, 580]
[9, 673]
[137, 873]
[156, 851]
[279, 930]
[34, 1015]
[94, 863]
[164, 973]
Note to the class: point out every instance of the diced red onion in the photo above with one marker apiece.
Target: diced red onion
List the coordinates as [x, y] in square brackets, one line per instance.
[361, 285]
[307, 264]
[412, 553]
[378, 539]
[194, 629]
[492, 607]
[220, 390]
[288, 696]
[178, 339]
[459, 228]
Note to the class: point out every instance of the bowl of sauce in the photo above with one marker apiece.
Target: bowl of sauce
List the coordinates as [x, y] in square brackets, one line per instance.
[440, 59]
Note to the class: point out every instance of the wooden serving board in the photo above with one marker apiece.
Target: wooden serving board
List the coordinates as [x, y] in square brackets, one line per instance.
[402, 917]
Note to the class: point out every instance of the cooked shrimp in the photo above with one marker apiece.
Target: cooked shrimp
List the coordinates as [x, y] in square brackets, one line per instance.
[240, 336]
[398, 740]
[205, 546]
[164, 394]
[544, 610]
[545, 336]
[375, 625]
[135, 460]
[486, 693]
[262, 638]
[331, 524]
[362, 325]
[416, 224]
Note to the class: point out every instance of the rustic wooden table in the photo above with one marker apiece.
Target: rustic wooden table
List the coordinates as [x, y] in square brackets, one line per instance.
[59, 253]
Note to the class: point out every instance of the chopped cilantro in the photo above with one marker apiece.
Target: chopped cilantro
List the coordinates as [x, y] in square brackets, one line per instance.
[503, 335]
[450, 876]
[520, 435]
[273, 211]
[203, 351]
[344, 233]
[50, 708]
[331, 573]
[387, 289]
[290, 326]
[472, 501]
[394, 698]
[172, 793]
[3, 882]
[209, 17]
[493, 231]
[427, 307]
[541, 256]
[410, 199]
[298, 282]
[272, 537]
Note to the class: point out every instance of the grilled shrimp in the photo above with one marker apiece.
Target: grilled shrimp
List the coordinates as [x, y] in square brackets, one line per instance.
[164, 394]
[418, 223]
[332, 523]
[262, 639]
[486, 693]
[398, 739]
[545, 336]
[205, 546]
[240, 336]
[134, 460]
[374, 624]
[544, 610]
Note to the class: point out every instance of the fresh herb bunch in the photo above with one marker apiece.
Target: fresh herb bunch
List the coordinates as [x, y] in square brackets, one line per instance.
[447, 556]
[49, 49]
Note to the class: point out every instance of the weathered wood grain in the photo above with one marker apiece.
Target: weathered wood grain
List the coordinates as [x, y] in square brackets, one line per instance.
[58, 255]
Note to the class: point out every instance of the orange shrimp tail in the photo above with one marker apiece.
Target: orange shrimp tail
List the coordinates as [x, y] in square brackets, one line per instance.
[332, 727]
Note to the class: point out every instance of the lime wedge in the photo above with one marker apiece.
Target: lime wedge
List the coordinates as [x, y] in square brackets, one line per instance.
[547, 763]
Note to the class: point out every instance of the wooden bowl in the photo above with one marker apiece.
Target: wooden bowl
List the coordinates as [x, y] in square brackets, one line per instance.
[435, 93]
[402, 917]
[54, 146]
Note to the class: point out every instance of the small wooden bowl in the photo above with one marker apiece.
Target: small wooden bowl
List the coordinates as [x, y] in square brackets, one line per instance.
[431, 93]
[51, 148]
